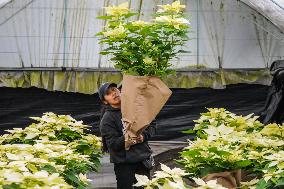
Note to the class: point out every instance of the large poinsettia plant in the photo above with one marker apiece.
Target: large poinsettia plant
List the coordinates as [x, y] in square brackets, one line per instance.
[54, 153]
[226, 141]
[144, 48]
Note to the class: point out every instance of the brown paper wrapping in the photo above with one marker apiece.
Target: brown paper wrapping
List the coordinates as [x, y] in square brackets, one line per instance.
[142, 98]
[228, 179]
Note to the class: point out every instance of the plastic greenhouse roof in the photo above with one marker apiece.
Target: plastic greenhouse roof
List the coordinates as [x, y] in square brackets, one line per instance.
[271, 9]
[4, 2]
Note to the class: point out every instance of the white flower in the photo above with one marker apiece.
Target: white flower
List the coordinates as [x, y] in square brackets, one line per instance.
[176, 22]
[218, 132]
[39, 146]
[211, 184]
[44, 138]
[175, 173]
[31, 135]
[199, 181]
[251, 184]
[268, 175]
[27, 174]
[48, 119]
[12, 176]
[15, 130]
[142, 180]
[13, 156]
[41, 174]
[148, 60]
[2, 163]
[28, 157]
[117, 10]
[55, 187]
[21, 165]
[84, 178]
[163, 19]
[181, 21]
[174, 7]
[116, 32]
[174, 185]
[140, 23]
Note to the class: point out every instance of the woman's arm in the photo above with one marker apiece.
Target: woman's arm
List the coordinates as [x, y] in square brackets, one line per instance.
[113, 138]
[149, 131]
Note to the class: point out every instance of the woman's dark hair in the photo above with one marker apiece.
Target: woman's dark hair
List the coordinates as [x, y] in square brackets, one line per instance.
[104, 145]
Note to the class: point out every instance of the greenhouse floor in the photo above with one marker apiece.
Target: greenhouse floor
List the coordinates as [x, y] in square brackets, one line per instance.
[105, 178]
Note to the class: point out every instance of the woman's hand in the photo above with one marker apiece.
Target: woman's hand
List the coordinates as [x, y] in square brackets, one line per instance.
[140, 139]
[136, 140]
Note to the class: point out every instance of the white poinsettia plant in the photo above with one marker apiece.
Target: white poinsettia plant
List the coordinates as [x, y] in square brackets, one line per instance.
[144, 48]
[54, 153]
[226, 141]
[169, 178]
[166, 178]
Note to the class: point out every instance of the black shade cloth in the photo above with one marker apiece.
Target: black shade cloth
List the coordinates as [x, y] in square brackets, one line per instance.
[185, 105]
[274, 107]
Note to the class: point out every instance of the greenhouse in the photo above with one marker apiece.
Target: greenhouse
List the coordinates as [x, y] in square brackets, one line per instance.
[196, 84]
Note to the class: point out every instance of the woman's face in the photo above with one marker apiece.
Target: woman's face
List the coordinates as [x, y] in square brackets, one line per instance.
[112, 96]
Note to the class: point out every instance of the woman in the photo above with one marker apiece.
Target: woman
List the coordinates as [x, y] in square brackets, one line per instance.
[126, 163]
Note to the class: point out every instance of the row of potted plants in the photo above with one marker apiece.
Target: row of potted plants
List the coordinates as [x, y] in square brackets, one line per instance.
[55, 152]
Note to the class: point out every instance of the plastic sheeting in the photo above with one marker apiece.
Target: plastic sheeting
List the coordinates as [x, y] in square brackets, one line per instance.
[4, 2]
[60, 33]
[232, 35]
[184, 106]
[88, 82]
[271, 9]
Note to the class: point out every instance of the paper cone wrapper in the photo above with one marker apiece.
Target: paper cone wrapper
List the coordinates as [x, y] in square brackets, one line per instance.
[228, 179]
[142, 98]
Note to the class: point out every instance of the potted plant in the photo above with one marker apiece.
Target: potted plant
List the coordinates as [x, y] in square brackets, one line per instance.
[142, 51]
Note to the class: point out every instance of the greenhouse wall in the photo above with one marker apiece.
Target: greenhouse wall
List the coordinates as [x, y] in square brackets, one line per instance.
[226, 36]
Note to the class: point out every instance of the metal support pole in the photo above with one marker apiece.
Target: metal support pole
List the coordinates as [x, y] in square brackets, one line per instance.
[65, 33]
[198, 30]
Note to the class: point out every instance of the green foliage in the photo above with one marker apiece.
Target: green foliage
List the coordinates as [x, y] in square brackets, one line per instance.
[143, 48]
[67, 135]
[226, 142]
[56, 148]
[12, 186]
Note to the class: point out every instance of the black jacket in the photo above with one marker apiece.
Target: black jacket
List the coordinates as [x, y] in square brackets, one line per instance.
[112, 132]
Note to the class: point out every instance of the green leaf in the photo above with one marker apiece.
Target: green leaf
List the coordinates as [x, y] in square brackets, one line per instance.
[219, 152]
[190, 131]
[104, 52]
[12, 186]
[85, 149]
[261, 184]
[133, 71]
[191, 153]
[201, 134]
[183, 51]
[117, 66]
[243, 163]
[104, 17]
[280, 182]
[99, 33]
[71, 178]
[32, 167]
[49, 168]
[130, 14]
[67, 135]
